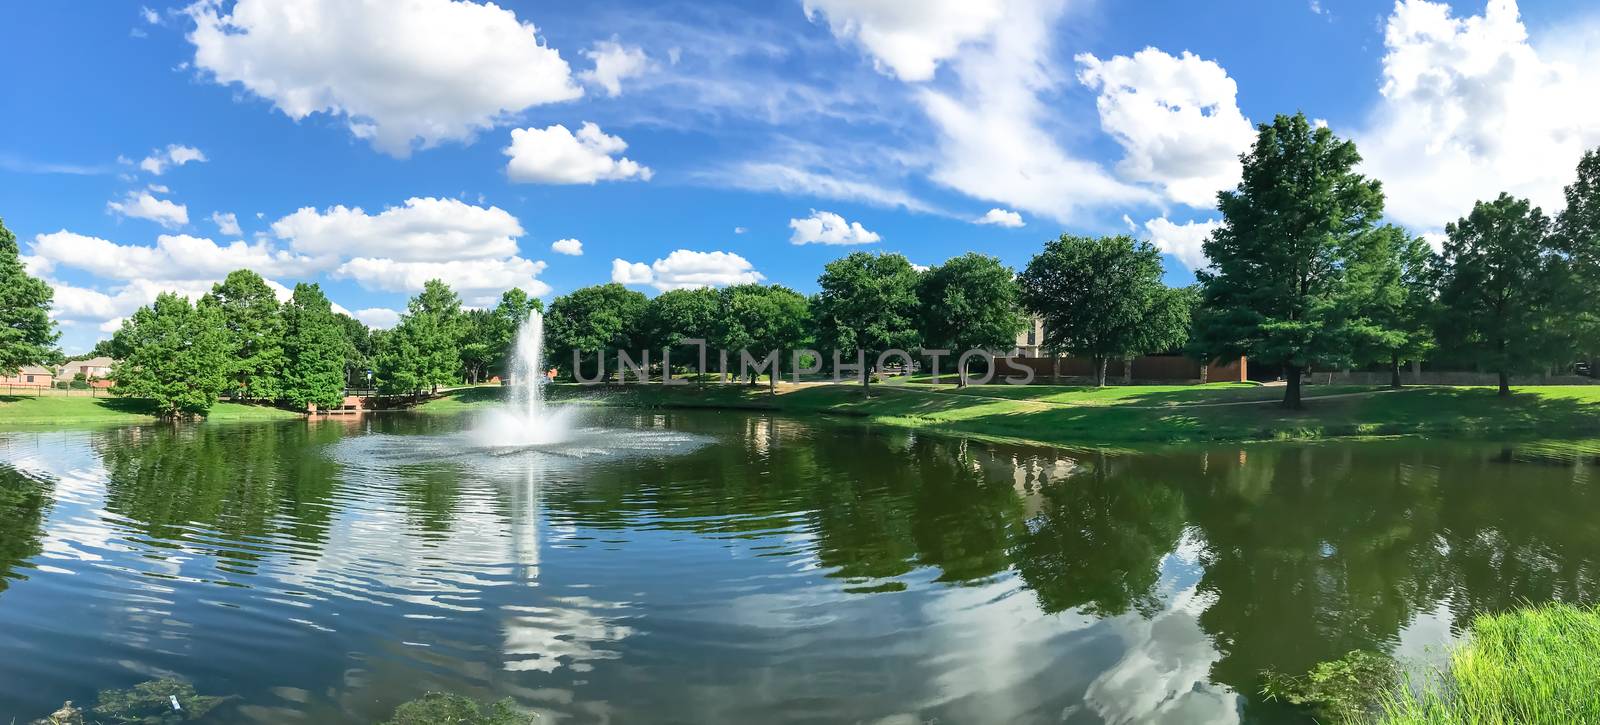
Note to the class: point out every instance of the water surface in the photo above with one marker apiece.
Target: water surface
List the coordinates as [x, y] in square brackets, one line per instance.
[703, 567]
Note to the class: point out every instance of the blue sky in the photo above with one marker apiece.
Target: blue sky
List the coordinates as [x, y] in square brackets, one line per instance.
[713, 143]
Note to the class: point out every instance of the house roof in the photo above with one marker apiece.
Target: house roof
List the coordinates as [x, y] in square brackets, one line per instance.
[94, 362]
[34, 370]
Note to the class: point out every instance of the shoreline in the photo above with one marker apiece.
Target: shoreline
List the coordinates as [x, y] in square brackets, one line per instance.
[1121, 416]
[1067, 416]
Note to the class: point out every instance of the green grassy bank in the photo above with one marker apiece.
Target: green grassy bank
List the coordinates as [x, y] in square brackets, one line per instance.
[1132, 414]
[1534, 665]
[50, 411]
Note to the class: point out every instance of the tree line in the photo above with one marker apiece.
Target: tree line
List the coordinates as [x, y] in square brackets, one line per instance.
[1303, 275]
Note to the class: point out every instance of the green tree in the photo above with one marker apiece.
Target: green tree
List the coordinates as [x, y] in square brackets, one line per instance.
[592, 322]
[177, 356]
[1578, 236]
[423, 351]
[1279, 260]
[358, 350]
[480, 343]
[1498, 279]
[762, 319]
[314, 348]
[514, 309]
[27, 334]
[1391, 298]
[254, 323]
[971, 302]
[681, 314]
[868, 303]
[1103, 298]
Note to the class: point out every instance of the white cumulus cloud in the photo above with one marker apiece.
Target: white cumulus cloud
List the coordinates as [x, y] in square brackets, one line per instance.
[174, 257]
[479, 281]
[173, 155]
[1471, 108]
[909, 39]
[826, 227]
[1000, 218]
[424, 229]
[1177, 119]
[613, 62]
[555, 155]
[226, 223]
[144, 205]
[571, 247]
[1184, 241]
[996, 138]
[685, 269]
[402, 72]
[381, 318]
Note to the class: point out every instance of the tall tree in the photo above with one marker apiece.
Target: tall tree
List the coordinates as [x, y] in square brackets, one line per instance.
[358, 350]
[27, 334]
[1102, 298]
[1391, 298]
[868, 303]
[177, 356]
[1578, 236]
[481, 343]
[251, 315]
[314, 350]
[1499, 277]
[762, 319]
[424, 350]
[971, 302]
[1279, 258]
[514, 309]
[681, 314]
[593, 322]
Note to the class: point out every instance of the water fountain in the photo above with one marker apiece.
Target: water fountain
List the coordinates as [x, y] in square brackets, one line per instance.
[525, 421]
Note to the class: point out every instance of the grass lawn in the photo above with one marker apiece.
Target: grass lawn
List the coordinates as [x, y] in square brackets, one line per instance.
[1132, 414]
[36, 412]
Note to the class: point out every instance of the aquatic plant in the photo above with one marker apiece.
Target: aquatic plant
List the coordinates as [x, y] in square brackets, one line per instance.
[1345, 689]
[155, 702]
[440, 707]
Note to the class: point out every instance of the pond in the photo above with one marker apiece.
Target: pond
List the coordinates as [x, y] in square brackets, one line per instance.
[702, 567]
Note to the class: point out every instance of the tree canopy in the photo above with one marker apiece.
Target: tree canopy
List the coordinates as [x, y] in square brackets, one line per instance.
[178, 356]
[1279, 260]
[593, 321]
[423, 351]
[1102, 298]
[761, 319]
[250, 313]
[970, 302]
[27, 334]
[1498, 279]
[1390, 300]
[868, 302]
[314, 350]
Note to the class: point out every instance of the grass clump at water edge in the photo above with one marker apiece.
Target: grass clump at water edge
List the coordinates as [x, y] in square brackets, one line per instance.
[1536, 665]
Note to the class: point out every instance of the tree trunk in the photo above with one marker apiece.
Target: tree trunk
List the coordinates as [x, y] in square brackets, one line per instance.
[1100, 371]
[1505, 385]
[1055, 377]
[961, 375]
[1127, 371]
[866, 378]
[1394, 371]
[1291, 394]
